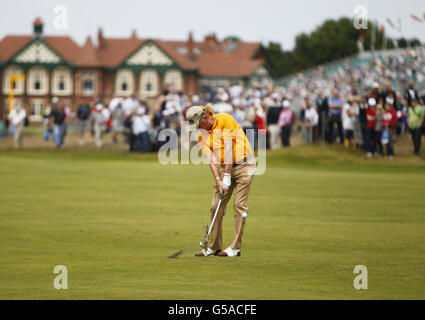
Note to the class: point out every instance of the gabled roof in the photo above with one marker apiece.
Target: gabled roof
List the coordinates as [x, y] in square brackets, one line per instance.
[114, 51]
[183, 60]
[211, 58]
[64, 46]
[224, 64]
[10, 45]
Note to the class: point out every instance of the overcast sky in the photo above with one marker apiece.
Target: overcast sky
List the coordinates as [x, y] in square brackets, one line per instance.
[251, 20]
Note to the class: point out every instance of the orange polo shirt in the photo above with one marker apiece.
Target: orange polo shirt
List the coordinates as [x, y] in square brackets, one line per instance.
[225, 130]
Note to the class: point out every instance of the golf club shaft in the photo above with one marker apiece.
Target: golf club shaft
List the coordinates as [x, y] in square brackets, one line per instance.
[215, 216]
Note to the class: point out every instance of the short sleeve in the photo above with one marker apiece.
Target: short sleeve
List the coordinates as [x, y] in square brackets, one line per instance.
[203, 141]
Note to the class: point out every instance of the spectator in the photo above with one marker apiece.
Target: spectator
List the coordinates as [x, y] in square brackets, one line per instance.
[310, 123]
[335, 106]
[140, 126]
[371, 124]
[249, 124]
[130, 104]
[286, 119]
[322, 109]
[411, 94]
[118, 118]
[48, 130]
[389, 122]
[415, 119]
[273, 112]
[378, 129]
[355, 120]
[58, 120]
[16, 119]
[98, 120]
[348, 115]
[2, 126]
[363, 106]
[83, 116]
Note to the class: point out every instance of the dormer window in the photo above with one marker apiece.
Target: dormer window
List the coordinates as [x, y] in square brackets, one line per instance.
[124, 82]
[182, 50]
[62, 81]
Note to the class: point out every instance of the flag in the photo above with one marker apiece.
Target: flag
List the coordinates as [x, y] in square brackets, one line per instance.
[382, 28]
[416, 18]
[391, 23]
[361, 32]
[399, 24]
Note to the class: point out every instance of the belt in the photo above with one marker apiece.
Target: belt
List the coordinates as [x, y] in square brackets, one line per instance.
[244, 160]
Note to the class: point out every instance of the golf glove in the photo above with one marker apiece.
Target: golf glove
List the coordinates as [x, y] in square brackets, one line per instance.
[227, 180]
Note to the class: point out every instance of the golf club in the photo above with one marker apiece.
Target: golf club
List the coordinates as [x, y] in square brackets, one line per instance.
[205, 243]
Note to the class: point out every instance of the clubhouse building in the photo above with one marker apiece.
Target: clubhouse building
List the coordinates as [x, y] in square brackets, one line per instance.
[56, 66]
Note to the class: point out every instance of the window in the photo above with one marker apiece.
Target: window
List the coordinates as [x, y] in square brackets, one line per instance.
[174, 78]
[88, 86]
[36, 109]
[124, 82]
[149, 83]
[61, 85]
[182, 50]
[62, 81]
[38, 80]
[18, 86]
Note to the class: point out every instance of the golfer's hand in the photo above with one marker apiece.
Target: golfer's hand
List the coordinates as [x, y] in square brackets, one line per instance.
[227, 180]
[220, 186]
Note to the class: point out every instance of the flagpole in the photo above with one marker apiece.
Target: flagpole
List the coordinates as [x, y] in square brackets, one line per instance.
[372, 40]
[384, 41]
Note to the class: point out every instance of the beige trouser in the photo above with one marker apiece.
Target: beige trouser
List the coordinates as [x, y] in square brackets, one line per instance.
[99, 130]
[17, 136]
[274, 130]
[242, 176]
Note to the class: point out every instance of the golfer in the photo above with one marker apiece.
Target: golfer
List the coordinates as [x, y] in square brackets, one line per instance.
[232, 164]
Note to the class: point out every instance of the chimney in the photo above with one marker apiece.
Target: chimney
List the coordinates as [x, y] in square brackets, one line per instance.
[100, 39]
[211, 38]
[190, 45]
[38, 27]
[134, 34]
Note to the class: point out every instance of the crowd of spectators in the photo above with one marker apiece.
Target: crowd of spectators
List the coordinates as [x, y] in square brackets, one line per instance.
[362, 105]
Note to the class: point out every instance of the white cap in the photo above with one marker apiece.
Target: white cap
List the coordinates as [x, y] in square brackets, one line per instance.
[286, 104]
[371, 102]
[194, 115]
[195, 99]
[141, 111]
[223, 97]
[275, 95]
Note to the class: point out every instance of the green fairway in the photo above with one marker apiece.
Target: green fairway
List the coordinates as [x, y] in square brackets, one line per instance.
[112, 219]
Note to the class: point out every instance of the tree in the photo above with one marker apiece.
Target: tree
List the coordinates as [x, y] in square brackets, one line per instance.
[332, 40]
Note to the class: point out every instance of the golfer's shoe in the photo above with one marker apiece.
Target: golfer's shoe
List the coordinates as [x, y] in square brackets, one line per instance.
[230, 252]
[207, 252]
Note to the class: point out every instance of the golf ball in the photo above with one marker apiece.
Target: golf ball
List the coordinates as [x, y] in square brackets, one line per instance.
[244, 215]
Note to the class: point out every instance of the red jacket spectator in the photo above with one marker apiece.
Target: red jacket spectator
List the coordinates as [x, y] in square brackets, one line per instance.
[371, 112]
[390, 119]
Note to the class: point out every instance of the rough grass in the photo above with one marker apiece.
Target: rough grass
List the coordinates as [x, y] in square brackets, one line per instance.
[112, 219]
